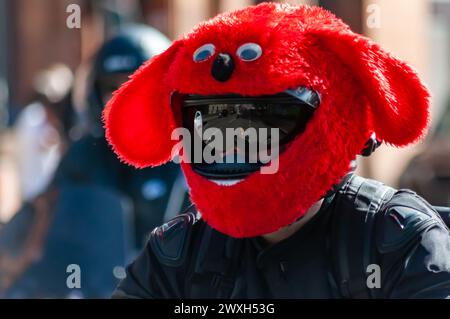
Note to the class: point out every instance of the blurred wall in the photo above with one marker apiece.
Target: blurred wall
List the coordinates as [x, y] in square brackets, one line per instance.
[402, 30]
[186, 14]
[4, 90]
[40, 37]
[348, 10]
[439, 56]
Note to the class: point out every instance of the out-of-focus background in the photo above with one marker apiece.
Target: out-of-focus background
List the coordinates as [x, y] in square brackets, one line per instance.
[51, 141]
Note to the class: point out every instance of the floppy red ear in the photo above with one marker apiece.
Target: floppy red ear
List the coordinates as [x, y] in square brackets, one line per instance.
[398, 99]
[138, 119]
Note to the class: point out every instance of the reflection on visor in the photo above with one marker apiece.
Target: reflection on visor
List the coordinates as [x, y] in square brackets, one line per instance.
[281, 111]
[285, 112]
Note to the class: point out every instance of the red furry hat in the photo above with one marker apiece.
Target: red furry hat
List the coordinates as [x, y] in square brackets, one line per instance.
[363, 90]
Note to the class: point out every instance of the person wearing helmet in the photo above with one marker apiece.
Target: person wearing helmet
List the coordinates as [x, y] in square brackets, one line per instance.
[157, 194]
[41, 129]
[298, 224]
[116, 60]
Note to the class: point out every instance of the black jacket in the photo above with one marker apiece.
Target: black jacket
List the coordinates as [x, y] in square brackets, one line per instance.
[410, 245]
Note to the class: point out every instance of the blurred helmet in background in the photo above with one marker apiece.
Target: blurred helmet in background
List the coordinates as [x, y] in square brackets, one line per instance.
[117, 59]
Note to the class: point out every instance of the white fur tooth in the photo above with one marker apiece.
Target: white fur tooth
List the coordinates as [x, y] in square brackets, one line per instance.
[227, 183]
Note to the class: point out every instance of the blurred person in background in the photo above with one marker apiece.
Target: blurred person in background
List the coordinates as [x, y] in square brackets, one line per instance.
[40, 130]
[100, 207]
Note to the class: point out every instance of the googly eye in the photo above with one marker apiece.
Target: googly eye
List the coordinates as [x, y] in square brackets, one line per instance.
[249, 52]
[204, 52]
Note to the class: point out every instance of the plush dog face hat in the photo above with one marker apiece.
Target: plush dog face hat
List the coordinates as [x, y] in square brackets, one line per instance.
[363, 90]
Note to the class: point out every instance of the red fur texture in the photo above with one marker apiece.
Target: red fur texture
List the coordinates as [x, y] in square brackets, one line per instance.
[363, 90]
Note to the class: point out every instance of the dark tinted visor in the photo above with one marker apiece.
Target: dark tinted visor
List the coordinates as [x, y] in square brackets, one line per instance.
[288, 113]
[281, 111]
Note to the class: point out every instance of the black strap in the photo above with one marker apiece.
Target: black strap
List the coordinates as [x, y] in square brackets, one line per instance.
[357, 203]
[216, 265]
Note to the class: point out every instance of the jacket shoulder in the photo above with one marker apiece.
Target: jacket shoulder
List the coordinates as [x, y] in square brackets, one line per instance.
[170, 242]
[403, 219]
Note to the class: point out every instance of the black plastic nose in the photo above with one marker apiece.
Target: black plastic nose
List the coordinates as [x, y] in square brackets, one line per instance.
[223, 67]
